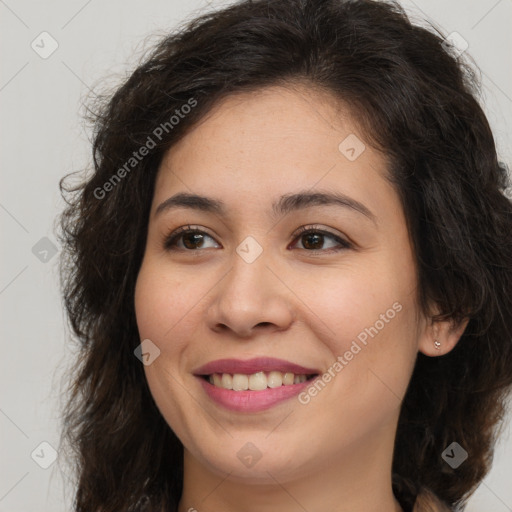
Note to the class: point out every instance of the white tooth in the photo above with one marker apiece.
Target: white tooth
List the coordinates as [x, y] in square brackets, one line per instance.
[240, 382]
[257, 381]
[227, 381]
[288, 379]
[274, 379]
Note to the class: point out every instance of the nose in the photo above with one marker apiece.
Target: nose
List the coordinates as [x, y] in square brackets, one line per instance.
[250, 298]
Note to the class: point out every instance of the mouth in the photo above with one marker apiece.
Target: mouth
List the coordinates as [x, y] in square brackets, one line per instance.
[257, 381]
[254, 385]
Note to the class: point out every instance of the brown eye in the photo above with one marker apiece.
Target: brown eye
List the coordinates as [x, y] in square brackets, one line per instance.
[192, 240]
[186, 239]
[314, 240]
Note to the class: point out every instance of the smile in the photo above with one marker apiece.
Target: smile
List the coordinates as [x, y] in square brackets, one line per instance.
[254, 385]
[256, 381]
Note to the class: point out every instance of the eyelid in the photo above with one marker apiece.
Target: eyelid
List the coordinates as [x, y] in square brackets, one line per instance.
[344, 241]
[174, 234]
[314, 227]
[170, 238]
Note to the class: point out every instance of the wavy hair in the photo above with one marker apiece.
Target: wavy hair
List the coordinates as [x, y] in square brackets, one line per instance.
[418, 104]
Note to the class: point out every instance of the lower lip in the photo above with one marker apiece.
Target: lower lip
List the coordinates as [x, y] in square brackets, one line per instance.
[252, 401]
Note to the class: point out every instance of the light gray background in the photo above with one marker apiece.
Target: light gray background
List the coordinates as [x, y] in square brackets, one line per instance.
[42, 139]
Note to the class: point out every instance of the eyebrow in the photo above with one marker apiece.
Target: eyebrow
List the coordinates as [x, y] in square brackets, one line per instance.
[284, 205]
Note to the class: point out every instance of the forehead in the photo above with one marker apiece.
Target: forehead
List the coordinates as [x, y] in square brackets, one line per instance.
[279, 115]
[272, 140]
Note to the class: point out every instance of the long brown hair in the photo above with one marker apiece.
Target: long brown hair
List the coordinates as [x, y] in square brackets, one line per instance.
[418, 104]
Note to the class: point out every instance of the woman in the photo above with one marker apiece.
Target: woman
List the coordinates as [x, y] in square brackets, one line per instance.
[290, 271]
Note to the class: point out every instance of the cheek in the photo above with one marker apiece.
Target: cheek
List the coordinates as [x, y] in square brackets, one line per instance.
[160, 307]
[344, 302]
[369, 319]
[161, 303]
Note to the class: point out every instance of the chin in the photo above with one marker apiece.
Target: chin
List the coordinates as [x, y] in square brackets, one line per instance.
[246, 463]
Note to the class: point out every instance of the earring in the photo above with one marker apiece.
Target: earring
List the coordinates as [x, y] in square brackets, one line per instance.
[437, 344]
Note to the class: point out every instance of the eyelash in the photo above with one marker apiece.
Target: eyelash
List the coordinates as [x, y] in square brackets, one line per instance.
[169, 241]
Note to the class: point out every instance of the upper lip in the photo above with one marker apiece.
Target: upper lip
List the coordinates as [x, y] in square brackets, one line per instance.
[250, 366]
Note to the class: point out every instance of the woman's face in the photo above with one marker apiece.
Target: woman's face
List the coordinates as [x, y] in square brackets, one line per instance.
[338, 300]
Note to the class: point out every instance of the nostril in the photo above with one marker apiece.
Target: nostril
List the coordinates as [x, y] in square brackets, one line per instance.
[263, 324]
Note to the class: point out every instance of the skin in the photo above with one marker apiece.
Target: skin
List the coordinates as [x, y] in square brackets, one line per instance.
[198, 305]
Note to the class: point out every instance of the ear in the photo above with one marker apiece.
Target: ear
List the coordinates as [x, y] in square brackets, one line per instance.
[447, 334]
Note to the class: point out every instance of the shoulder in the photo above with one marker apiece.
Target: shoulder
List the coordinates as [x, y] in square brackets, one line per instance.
[427, 501]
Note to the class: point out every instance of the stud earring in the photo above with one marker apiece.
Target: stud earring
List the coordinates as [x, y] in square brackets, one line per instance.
[437, 344]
